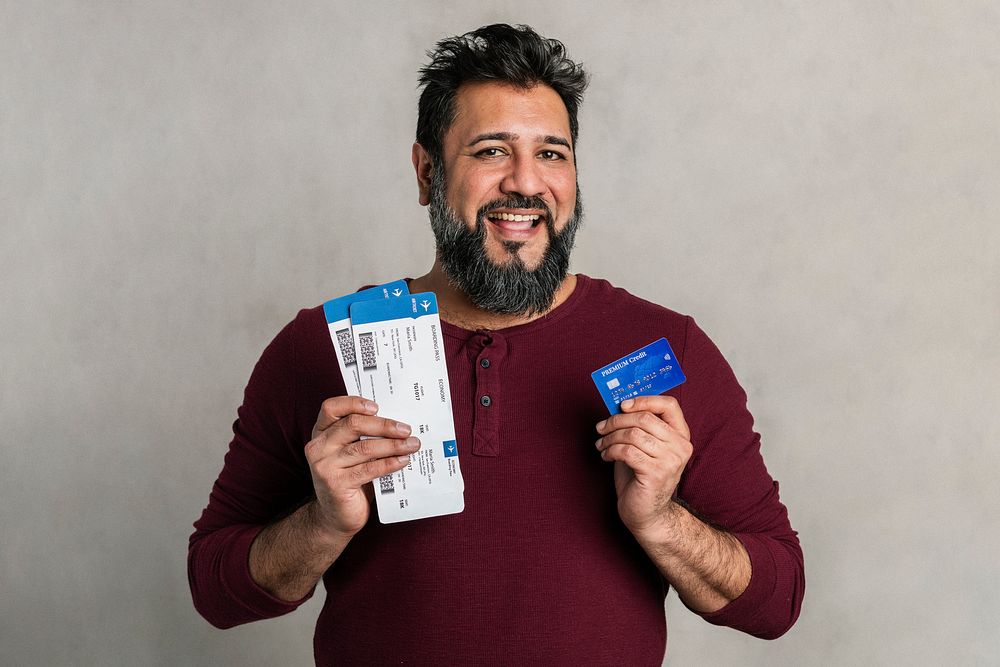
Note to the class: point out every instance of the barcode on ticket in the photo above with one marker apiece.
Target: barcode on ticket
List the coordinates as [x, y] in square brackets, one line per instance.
[367, 342]
[346, 343]
[385, 485]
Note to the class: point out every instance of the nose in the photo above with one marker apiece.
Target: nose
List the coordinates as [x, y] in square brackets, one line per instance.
[523, 177]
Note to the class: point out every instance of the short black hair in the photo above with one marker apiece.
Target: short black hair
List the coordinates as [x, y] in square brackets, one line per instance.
[500, 52]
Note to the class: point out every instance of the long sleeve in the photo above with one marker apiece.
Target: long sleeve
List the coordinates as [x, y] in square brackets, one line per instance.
[539, 532]
[727, 485]
[264, 477]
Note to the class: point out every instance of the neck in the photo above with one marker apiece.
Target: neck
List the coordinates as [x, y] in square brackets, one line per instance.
[455, 308]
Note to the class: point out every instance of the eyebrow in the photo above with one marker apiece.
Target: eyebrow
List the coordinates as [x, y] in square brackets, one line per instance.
[511, 137]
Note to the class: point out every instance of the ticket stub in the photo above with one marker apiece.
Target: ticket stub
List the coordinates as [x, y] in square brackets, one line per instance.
[648, 371]
[337, 312]
[402, 367]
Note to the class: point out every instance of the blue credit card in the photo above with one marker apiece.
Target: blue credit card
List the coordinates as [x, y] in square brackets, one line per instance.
[648, 371]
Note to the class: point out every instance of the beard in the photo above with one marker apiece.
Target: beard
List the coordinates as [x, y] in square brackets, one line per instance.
[507, 288]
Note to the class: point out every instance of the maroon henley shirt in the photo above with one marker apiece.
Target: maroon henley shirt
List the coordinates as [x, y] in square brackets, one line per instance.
[538, 568]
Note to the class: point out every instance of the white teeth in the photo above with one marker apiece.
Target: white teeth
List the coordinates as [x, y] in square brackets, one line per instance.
[511, 217]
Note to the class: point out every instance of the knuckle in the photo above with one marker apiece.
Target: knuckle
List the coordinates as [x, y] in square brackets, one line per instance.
[314, 449]
[310, 449]
[648, 420]
[353, 422]
[329, 406]
[634, 456]
[678, 461]
[376, 469]
[364, 448]
[635, 434]
[321, 469]
[358, 474]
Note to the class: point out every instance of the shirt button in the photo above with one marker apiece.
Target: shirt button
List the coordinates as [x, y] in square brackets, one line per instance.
[485, 401]
[485, 363]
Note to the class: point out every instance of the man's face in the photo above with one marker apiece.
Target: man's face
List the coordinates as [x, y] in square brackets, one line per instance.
[506, 208]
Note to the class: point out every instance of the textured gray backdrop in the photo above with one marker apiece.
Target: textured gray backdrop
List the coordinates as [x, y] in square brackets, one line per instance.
[178, 178]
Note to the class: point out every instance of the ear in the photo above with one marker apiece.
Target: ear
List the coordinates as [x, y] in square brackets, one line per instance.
[423, 166]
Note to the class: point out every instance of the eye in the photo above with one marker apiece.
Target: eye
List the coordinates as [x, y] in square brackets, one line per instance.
[551, 155]
[490, 151]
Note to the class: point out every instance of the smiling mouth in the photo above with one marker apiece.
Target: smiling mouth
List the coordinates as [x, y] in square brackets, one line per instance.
[515, 222]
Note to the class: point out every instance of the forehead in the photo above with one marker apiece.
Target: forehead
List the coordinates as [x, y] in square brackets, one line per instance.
[486, 107]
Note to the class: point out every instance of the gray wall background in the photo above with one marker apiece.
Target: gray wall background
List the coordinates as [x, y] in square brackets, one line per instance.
[178, 179]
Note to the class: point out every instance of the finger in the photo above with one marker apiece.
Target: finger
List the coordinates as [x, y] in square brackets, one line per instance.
[354, 426]
[666, 408]
[334, 409]
[356, 476]
[350, 429]
[637, 460]
[635, 437]
[369, 449]
[363, 473]
[647, 421]
[667, 464]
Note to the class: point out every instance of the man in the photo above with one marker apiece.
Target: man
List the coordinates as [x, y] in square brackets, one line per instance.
[570, 536]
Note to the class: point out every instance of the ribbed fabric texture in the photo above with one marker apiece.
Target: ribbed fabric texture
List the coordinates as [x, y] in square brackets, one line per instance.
[538, 568]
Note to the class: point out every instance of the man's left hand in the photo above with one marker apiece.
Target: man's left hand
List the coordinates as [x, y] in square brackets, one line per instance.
[650, 444]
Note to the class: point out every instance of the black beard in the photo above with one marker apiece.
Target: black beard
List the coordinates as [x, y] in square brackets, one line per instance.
[509, 288]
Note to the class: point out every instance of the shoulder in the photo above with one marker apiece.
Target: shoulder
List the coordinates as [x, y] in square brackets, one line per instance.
[606, 304]
[616, 313]
[601, 296]
[309, 326]
[305, 335]
[301, 355]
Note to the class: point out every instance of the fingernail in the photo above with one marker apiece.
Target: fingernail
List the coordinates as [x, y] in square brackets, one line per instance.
[402, 428]
[370, 406]
[627, 404]
[598, 443]
[600, 425]
[413, 443]
[403, 459]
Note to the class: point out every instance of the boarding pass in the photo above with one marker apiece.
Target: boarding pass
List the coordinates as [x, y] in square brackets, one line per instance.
[401, 366]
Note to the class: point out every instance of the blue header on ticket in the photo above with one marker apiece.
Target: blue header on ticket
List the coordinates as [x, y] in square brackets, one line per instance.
[338, 309]
[383, 310]
[648, 371]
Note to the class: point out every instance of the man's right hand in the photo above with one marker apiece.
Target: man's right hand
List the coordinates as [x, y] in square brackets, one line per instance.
[342, 463]
[288, 557]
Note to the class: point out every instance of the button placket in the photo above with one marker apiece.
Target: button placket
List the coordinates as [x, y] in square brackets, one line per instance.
[486, 432]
